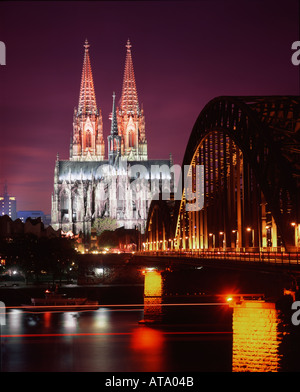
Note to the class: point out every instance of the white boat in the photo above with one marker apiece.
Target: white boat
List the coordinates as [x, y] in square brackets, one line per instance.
[57, 301]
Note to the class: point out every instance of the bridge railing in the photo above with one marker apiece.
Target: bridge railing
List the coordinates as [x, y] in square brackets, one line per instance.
[291, 258]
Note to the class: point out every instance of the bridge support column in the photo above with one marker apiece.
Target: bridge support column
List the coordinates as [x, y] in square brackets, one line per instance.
[274, 234]
[264, 239]
[205, 231]
[239, 234]
[197, 231]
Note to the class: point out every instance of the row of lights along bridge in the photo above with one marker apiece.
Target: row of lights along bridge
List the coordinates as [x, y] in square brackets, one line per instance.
[181, 243]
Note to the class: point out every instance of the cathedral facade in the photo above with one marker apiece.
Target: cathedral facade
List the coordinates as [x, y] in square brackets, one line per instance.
[89, 186]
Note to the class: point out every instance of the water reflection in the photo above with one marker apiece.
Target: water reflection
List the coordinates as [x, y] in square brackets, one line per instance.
[148, 345]
[47, 319]
[256, 337]
[251, 336]
[260, 336]
[15, 319]
[101, 319]
[70, 321]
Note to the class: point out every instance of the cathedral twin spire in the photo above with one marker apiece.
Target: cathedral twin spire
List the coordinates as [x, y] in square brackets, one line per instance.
[127, 121]
[129, 99]
[87, 143]
[87, 96]
[91, 186]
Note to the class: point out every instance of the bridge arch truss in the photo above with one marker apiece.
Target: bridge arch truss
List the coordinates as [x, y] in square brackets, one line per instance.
[249, 149]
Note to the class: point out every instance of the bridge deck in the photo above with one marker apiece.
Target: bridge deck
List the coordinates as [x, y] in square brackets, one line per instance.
[262, 260]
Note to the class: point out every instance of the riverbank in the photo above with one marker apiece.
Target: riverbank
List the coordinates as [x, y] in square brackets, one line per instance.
[104, 294]
[201, 280]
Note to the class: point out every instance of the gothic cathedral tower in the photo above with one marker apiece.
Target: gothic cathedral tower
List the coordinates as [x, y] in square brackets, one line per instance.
[87, 143]
[131, 120]
[89, 186]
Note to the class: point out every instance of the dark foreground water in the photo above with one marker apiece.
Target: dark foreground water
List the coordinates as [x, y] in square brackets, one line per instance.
[198, 338]
[184, 332]
[107, 340]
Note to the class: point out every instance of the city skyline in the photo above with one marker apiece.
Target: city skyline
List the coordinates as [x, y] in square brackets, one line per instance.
[185, 54]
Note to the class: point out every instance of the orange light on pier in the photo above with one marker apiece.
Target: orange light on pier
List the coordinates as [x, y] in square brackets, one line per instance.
[153, 283]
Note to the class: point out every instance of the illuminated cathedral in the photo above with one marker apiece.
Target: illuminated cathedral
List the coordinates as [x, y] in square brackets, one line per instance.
[88, 185]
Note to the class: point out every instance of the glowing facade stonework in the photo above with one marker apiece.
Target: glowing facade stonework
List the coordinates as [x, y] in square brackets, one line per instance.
[88, 186]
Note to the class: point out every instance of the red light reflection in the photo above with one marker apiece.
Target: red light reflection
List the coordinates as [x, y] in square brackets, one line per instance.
[148, 344]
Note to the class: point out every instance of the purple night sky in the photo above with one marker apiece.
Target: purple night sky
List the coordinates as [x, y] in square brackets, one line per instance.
[184, 54]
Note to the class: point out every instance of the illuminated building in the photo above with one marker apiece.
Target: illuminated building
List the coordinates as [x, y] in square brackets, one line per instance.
[87, 186]
[8, 205]
[24, 215]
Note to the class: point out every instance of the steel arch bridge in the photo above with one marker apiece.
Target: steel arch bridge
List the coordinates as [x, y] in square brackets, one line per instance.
[160, 224]
[249, 147]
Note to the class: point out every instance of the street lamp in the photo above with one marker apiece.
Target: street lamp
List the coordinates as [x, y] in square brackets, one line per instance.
[213, 239]
[224, 239]
[296, 227]
[249, 229]
[237, 238]
[268, 234]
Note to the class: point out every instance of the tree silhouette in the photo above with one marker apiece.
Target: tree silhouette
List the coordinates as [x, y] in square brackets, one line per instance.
[105, 224]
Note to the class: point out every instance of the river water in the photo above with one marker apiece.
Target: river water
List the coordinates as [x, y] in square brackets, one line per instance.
[164, 334]
[183, 337]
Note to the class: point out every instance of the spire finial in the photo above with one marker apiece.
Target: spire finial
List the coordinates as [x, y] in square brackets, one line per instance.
[128, 45]
[86, 44]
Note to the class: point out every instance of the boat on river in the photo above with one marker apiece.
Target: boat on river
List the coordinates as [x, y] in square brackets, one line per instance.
[58, 301]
